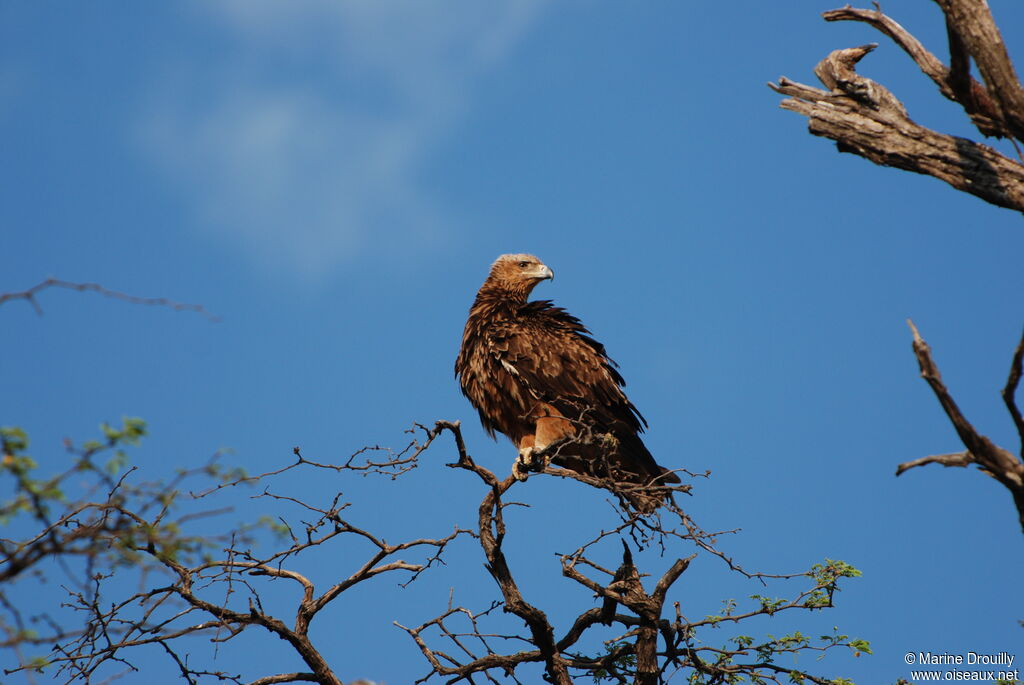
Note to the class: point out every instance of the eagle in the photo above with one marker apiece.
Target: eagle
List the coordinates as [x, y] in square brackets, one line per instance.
[534, 373]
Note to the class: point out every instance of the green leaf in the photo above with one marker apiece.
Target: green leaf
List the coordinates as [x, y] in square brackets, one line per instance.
[861, 646]
[14, 439]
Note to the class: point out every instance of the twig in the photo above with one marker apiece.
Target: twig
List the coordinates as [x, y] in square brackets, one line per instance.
[30, 297]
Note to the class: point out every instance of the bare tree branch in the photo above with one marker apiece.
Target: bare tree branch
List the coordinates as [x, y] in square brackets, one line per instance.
[131, 527]
[1010, 391]
[653, 645]
[286, 678]
[865, 119]
[198, 587]
[954, 82]
[30, 297]
[954, 459]
[994, 460]
[975, 28]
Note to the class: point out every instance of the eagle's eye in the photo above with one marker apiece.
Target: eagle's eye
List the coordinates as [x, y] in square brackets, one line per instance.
[524, 264]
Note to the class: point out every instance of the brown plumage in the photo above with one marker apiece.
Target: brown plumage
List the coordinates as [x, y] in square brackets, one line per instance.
[534, 374]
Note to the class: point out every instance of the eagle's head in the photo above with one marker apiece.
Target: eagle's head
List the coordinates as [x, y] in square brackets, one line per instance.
[518, 273]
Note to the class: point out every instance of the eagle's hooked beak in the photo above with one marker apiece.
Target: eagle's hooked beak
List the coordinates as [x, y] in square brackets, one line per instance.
[545, 272]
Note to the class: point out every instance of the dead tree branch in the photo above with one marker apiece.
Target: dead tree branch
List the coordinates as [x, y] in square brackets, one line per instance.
[864, 118]
[990, 458]
[954, 459]
[1010, 391]
[30, 297]
[954, 82]
[971, 22]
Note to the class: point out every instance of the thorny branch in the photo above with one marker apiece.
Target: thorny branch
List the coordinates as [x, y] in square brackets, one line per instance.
[990, 458]
[652, 646]
[186, 587]
[192, 587]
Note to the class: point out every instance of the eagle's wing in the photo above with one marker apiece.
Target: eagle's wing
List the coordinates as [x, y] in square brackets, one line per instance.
[551, 354]
[545, 355]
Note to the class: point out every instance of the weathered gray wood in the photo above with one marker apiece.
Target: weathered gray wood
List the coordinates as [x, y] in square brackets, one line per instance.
[865, 118]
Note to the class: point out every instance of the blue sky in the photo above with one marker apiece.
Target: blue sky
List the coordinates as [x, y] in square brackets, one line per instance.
[334, 178]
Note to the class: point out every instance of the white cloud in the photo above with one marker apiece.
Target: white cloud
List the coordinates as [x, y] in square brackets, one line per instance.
[303, 136]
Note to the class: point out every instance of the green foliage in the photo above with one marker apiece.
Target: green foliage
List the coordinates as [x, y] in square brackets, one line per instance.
[620, 661]
[743, 641]
[13, 439]
[827, 577]
[832, 570]
[728, 607]
[769, 606]
[14, 462]
[37, 664]
[131, 432]
[96, 514]
[96, 521]
[275, 526]
[860, 646]
[224, 474]
[745, 658]
[39, 496]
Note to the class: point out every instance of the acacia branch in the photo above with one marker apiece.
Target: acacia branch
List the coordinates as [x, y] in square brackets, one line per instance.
[627, 589]
[372, 567]
[221, 598]
[135, 525]
[491, 533]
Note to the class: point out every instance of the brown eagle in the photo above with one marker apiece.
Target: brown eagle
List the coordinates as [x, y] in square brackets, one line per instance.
[533, 373]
